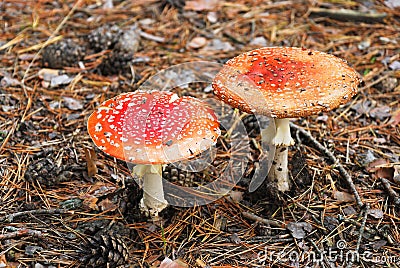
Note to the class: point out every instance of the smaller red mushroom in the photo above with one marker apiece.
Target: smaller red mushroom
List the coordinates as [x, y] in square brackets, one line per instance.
[150, 129]
[285, 82]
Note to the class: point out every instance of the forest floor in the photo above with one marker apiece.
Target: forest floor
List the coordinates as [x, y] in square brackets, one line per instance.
[64, 203]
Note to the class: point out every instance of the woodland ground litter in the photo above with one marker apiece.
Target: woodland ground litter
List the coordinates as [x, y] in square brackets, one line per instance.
[50, 207]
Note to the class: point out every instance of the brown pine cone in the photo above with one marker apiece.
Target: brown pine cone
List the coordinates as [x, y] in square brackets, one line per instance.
[63, 54]
[105, 251]
[104, 37]
[119, 60]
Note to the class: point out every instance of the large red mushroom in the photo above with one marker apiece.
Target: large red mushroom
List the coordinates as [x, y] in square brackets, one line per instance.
[150, 129]
[293, 82]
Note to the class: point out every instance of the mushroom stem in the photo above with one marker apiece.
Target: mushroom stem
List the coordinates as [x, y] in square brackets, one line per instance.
[282, 140]
[282, 136]
[153, 200]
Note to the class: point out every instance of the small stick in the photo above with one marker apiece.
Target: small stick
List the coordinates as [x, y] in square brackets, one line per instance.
[358, 224]
[362, 229]
[19, 233]
[348, 14]
[10, 218]
[254, 217]
[331, 157]
[392, 194]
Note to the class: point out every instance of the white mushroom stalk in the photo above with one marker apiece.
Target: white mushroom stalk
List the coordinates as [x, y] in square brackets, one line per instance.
[282, 139]
[153, 200]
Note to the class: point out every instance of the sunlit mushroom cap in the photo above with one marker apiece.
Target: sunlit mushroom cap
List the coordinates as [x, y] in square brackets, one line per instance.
[286, 82]
[153, 127]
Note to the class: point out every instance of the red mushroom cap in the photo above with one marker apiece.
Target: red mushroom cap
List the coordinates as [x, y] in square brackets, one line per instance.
[153, 127]
[286, 82]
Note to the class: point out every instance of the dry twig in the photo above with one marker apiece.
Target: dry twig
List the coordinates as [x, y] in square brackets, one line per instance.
[10, 218]
[362, 229]
[254, 217]
[19, 233]
[348, 14]
[392, 194]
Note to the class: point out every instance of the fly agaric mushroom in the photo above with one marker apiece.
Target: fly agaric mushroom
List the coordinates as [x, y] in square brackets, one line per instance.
[150, 129]
[293, 82]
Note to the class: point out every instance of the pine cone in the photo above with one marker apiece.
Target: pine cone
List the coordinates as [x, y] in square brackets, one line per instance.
[62, 54]
[116, 62]
[120, 58]
[129, 41]
[105, 251]
[42, 170]
[104, 37]
[182, 177]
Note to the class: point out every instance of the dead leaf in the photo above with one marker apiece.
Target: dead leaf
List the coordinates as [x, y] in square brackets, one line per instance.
[168, 263]
[47, 74]
[299, 229]
[217, 44]
[396, 174]
[201, 263]
[330, 223]
[107, 205]
[259, 41]
[235, 238]
[381, 168]
[72, 104]
[392, 3]
[395, 120]
[236, 196]
[3, 261]
[395, 65]
[90, 202]
[60, 80]
[212, 16]
[363, 106]
[385, 172]
[380, 112]
[201, 5]
[379, 140]
[197, 42]
[349, 211]
[343, 196]
[376, 213]
[8, 81]
[91, 158]
[364, 44]
[373, 165]
[367, 158]
[378, 244]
